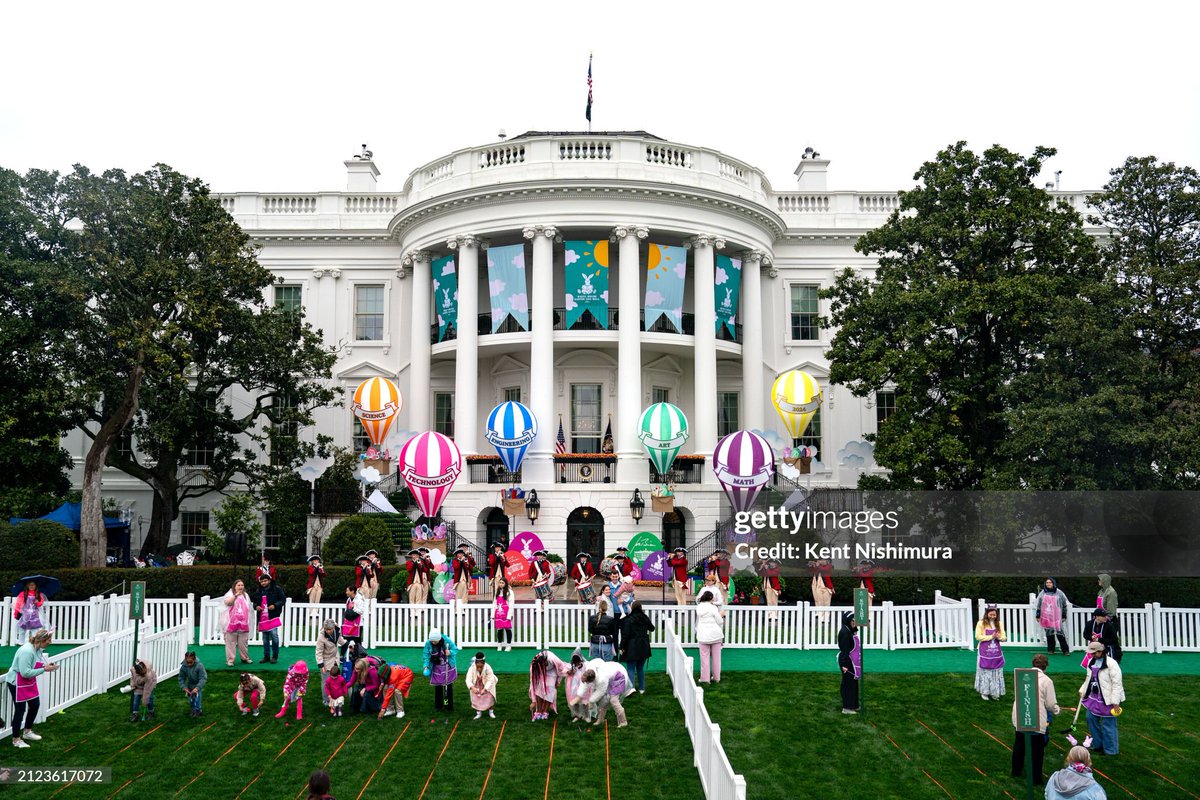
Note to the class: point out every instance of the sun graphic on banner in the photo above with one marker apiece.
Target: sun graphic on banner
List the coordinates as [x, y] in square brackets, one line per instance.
[653, 257]
[600, 253]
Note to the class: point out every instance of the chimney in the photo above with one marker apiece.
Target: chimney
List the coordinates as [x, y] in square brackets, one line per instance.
[810, 175]
[361, 173]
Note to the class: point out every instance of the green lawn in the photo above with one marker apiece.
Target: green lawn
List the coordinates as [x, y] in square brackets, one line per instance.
[927, 737]
[152, 762]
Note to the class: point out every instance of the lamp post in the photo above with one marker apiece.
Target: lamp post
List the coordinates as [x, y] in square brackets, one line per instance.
[532, 506]
[637, 505]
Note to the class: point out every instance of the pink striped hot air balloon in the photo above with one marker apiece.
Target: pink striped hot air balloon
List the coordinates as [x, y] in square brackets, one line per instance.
[376, 403]
[430, 464]
[743, 462]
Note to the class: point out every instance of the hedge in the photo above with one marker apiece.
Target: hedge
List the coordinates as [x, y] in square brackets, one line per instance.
[354, 536]
[37, 546]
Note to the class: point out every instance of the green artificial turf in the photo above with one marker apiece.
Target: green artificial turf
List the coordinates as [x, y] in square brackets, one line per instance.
[163, 759]
[926, 737]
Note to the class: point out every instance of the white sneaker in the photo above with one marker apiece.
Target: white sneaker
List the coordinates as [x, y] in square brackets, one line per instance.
[985, 697]
[19, 743]
[491, 714]
[399, 715]
[31, 736]
[478, 715]
[389, 713]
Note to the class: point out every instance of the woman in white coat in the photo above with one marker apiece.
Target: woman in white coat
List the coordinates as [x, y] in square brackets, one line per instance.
[710, 635]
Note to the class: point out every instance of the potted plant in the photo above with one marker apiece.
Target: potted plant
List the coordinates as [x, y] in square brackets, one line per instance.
[398, 585]
[756, 594]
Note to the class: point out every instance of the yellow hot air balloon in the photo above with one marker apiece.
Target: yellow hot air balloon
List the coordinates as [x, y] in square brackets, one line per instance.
[796, 396]
[377, 401]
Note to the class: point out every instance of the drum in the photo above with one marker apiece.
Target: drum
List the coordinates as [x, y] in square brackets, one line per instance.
[587, 595]
[543, 591]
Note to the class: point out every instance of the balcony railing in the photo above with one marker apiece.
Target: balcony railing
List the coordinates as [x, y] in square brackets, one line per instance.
[490, 469]
[589, 468]
[588, 323]
[688, 470]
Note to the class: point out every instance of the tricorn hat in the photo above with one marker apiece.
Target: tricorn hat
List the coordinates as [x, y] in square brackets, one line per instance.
[583, 555]
[313, 558]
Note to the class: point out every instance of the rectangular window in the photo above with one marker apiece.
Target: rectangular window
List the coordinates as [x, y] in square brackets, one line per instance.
[585, 418]
[727, 413]
[361, 440]
[368, 313]
[443, 417]
[125, 443]
[192, 527]
[804, 313]
[512, 394]
[270, 532]
[284, 434]
[885, 406]
[287, 298]
[812, 435]
[200, 453]
[660, 395]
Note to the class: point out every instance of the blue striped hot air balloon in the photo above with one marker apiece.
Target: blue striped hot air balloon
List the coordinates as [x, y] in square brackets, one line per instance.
[511, 428]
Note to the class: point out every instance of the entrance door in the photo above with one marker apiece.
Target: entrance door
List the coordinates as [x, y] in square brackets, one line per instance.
[585, 533]
[674, 531]
[497, 529]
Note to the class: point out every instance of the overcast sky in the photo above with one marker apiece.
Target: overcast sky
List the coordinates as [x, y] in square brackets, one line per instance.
[273, 96]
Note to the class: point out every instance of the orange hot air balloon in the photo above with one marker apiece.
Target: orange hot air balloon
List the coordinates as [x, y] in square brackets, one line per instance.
[377, 401]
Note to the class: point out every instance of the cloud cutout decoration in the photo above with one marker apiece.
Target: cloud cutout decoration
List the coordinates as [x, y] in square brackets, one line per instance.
[721, 276]
[570, 257]
[857, 454]
[369, 475]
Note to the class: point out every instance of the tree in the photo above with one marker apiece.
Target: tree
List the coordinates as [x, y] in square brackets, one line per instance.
[167, 332]
[977, 268]
[354, 536]
[236, 516]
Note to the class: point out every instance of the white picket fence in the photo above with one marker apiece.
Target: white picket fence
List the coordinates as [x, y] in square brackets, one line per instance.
[80, 621]
[716, 774]
[103, 663]
[945, 623]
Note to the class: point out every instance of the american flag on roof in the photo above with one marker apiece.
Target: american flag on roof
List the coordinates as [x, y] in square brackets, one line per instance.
[589, 105]
[560, 442]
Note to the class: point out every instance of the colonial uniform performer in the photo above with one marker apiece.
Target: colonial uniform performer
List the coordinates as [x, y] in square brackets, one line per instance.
[542, 575]
[718, 564]
[822, 582]
[582, 573]
[481, 681]
[1102, 630]
[426, 573]
[412, 581]
[771, 586]
[609, 683]
[363, 573]
[316, 579]
[624, 564]
[463, 565]
[395, 682]
[441, 667]
[850, 662]
[678, 563]
[989, 670]
[497, 561]
[376, 572]
[265, 568]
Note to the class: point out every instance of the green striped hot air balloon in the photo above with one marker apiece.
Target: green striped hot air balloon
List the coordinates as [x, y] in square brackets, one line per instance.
[663, 429]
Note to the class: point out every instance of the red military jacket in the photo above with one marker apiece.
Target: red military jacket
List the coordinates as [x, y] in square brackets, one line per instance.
[679, 564]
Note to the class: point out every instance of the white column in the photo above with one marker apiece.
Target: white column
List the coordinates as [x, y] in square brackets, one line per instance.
[466, 363]
[632, 464]
[753, 410]
[704, 420]
[538, 467]
[420, 345]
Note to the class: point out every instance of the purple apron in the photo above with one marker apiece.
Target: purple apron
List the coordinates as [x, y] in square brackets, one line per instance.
[442, 675]
[856, 656]
[617, 685]
[991, 656]
[1094, 702]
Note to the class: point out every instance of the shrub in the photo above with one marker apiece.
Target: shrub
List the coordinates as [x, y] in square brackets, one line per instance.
[356, 535]
[38, 546]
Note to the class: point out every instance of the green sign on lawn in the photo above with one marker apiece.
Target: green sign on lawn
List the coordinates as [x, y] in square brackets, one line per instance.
[137, 600]
[1029, 712]
[862, 609]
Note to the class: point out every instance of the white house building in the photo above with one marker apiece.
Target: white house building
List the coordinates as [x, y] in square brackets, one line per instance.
[361, 264]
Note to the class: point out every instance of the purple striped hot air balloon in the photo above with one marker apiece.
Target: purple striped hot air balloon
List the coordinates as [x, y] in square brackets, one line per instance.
[743, 463]
[430, 463]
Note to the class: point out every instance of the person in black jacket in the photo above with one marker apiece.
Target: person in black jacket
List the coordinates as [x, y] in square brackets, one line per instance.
[1101, 629]
[269, 608]
[636, 645]
[850, 662]
[602, 629]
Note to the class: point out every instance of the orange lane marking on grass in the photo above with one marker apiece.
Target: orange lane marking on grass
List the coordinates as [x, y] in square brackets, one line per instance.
[494, 752]
[193, 780]
[343, 744]
[943, 741]
[993, 738]
[293, 741]
[382, 761]
[194, 735]
[546, 794]
[890, 739]
[59, 789]
[607, 770]
[1173, 783]
[1110, 780]
[72, 747]
[943, 788]
[123, 785]
[235, 744]
[248, 785]
[1160, 744]
[439, 758]
[143, 736]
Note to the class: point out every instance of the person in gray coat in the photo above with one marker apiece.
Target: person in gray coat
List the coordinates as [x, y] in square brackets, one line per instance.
[192, 677]
[1075, 781]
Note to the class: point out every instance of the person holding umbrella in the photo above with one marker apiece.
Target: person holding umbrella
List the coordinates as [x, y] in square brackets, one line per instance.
[31, 593]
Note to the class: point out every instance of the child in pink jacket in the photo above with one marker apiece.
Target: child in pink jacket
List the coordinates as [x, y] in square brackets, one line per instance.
[293, 689]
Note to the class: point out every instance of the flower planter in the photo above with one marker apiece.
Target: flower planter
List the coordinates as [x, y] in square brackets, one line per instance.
[662, 505]
[514, 506]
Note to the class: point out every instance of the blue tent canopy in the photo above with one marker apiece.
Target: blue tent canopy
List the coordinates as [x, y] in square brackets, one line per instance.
[69, 515]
